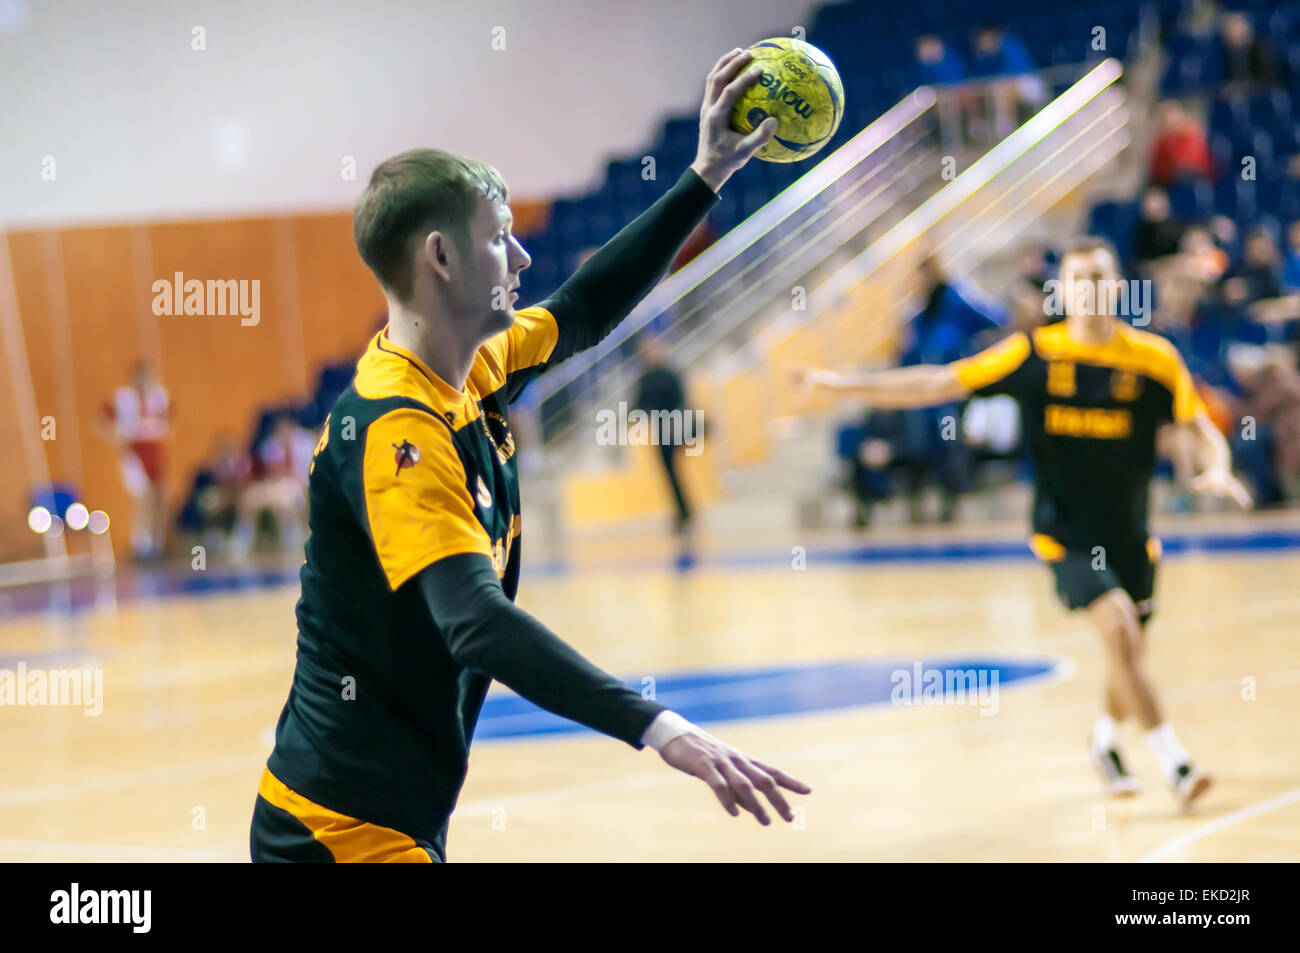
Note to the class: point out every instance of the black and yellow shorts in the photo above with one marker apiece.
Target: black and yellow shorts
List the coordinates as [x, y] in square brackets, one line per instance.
[289, 828]
[1083, 574]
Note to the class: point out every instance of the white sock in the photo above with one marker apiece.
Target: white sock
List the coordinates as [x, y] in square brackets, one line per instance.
[1103, 733]
[1169, 753]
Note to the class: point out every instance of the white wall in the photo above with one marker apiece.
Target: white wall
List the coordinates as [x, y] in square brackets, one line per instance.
[140, 125]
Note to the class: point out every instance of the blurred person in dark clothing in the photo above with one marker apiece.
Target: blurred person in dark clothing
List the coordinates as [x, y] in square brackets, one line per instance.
[213, 507]
[1157, 233]
[1261, 267]
[870, 461]
[1217, 322]
[956, 320]
[660, 389]
[1249, 61]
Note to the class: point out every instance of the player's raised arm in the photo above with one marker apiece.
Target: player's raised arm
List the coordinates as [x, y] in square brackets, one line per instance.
[605, 289]
[995, 370]
[488, 633]
[901, 387]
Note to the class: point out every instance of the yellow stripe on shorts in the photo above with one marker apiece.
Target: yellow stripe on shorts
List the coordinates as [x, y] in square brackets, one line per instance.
[1046, 548]
[350, 840]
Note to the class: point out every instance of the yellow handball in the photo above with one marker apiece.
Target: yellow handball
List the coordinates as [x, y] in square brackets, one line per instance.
[801, 88]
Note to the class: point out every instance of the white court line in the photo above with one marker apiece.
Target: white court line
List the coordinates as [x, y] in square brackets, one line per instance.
[1218, 824]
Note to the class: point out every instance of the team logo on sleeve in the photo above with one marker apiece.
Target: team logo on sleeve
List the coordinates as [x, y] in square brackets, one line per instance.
[406, 456]
[484, 497]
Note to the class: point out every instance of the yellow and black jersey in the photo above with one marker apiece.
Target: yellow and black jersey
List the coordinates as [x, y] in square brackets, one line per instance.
[1090, 414]
[406, 612]
[407, 472]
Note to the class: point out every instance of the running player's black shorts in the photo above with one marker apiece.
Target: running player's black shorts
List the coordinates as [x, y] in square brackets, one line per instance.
[1082, 575]
[289, 828]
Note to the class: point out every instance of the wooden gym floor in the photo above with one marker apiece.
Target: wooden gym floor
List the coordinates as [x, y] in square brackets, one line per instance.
[194, 683]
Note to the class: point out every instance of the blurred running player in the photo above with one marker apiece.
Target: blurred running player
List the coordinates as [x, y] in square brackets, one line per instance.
[1093, 392]
[407, 610]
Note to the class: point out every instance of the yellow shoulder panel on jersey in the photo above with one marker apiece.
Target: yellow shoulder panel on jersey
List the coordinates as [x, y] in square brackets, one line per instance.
[1129, 349]
[993, 363]
[417, 502]
[1166, 365]
[528, 342]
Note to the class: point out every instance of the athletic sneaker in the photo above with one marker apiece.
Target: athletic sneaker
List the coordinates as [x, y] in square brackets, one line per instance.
[1115, 777]
[1189, 783]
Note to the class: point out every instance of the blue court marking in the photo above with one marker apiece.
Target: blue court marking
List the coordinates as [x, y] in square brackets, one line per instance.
[732, 695]
[147, 584]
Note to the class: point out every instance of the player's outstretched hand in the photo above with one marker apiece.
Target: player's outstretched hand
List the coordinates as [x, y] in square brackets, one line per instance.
[723, 150]
[735, 777]
[810, 379]
[1221, 482]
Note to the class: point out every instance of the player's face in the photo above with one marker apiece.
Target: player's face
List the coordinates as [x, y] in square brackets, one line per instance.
[495, 262]
[1084, 275]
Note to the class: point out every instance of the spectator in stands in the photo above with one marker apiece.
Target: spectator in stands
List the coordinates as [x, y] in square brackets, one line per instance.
[660, 389]
[1249, 61]
[1181, 150]
[138, 422]
[279, 488]
[212, 510]
[1269, 451]
[955, 321]
[997, 53]
[1157, 233]
[936, 63]
[1184, 280]
[1215, 323]
[872, 459]
[1268, 299]
[1261, 267]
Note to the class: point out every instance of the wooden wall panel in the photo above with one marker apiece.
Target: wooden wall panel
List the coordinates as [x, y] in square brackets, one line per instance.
[318, 304]
[341, 301]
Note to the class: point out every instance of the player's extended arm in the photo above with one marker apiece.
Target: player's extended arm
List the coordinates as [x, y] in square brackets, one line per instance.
[613, 281]
[922, 385]
[605, 289]
[488, 633]
[1214, 462]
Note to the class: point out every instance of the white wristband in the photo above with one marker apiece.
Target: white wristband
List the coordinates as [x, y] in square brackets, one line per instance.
[666, 726]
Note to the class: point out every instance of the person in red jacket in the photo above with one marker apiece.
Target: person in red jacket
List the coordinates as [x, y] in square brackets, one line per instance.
[1181, 149]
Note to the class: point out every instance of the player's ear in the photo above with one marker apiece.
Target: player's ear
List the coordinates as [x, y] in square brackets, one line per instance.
[437, 253]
